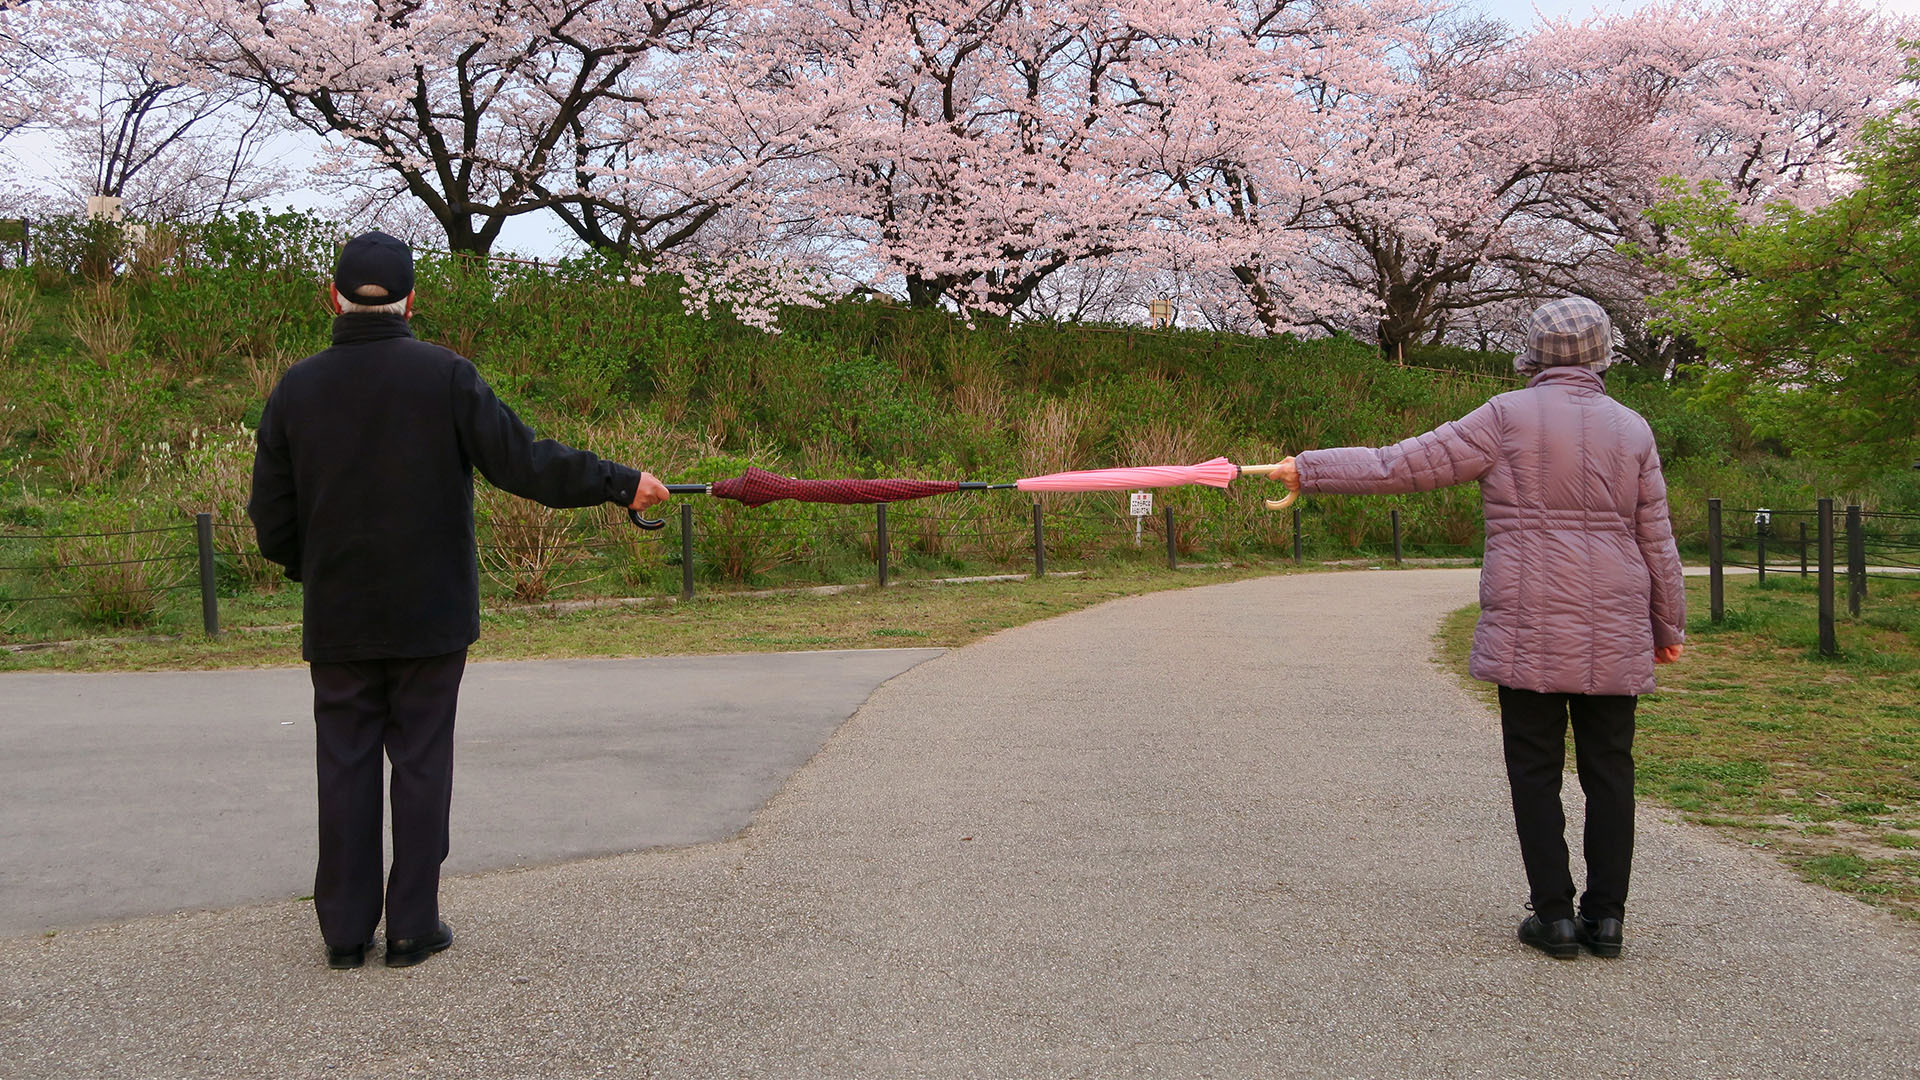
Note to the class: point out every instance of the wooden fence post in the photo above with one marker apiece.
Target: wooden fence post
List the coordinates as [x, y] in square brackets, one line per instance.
[1039, 544]
[1829, 645]
[1856, 559]
[686, 551]
[209, 597]
[1716, 587]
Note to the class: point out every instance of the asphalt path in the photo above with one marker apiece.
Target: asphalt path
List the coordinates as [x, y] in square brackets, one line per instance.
[135, 794]
[1248, 830]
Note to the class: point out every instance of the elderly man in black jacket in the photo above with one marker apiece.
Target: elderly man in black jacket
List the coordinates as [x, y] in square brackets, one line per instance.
[363, 490]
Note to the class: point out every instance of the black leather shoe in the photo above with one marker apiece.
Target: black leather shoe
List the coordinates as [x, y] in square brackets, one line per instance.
[348, 956]
[406, 952]
[1602, 937]
[1557, 939]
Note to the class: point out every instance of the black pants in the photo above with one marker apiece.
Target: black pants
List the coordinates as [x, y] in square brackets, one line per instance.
[405, 707]
[1534, 730]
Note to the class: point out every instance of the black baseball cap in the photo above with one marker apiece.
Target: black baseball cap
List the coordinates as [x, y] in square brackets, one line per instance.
[378, 260]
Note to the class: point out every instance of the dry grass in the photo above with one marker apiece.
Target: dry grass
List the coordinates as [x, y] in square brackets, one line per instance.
[93, 451]
[524, 548]
[120, 581]
[264, 370]
[1053, 436]
[214, 475]
[102, 322]
[16, 315]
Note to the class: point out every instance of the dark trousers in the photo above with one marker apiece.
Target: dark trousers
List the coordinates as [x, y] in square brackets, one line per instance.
[405, 707]
[1534, 731]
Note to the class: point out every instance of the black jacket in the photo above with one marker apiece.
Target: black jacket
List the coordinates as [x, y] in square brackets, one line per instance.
[363, 488]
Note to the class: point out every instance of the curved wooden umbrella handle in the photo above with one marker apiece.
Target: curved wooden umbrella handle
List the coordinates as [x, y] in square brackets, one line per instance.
[1269, 470]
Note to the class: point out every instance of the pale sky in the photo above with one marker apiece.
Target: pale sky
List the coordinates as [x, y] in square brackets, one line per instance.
[1521, 13]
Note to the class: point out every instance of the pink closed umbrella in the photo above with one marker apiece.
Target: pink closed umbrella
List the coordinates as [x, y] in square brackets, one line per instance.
[757, 487]
[1217, 472]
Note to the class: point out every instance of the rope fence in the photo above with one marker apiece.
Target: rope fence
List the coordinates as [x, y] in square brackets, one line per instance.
[1875, 546]
[538, 560]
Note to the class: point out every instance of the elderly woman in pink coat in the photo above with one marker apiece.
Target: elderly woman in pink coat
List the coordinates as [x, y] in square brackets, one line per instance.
[1580, 596]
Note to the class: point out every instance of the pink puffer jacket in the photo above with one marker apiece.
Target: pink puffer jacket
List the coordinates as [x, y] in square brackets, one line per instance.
[1581, 579]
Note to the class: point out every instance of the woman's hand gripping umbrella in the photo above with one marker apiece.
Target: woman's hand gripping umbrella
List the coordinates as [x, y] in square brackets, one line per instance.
[1217, 472]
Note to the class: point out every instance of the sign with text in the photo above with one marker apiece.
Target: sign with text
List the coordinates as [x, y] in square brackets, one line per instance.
[1140, 504]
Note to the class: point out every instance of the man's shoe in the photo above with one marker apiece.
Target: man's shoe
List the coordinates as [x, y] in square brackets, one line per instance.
[1602, 937]
[1557, 939]
[348, 956]
[406, 952]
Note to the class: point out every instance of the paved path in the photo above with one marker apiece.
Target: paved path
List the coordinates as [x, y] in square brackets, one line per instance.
[1240, 831]
[124, 795]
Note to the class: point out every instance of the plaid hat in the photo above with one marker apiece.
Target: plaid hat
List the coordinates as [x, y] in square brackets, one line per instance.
[1570, 332]
[378, 260]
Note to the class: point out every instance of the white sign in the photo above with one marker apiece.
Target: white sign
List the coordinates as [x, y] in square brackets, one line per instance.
[1141, 504]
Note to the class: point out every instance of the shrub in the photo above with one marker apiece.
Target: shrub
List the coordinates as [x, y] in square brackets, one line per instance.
[16, 313]
[103, 323]
[526, 547]
[214, 475]
[66, 246]
[119, 577]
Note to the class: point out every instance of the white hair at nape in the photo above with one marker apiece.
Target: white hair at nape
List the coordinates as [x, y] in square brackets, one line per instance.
[350, 306]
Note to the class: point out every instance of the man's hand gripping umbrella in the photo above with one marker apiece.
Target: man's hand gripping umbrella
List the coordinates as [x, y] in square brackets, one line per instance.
[757, 487]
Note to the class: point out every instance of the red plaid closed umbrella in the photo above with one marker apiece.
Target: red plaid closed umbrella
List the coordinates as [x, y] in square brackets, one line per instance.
[758, 487]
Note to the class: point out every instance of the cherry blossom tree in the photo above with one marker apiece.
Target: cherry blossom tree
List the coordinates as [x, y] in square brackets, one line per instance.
[1435, 186]
[122, 121]
[1760, 97]
[480, 110]
[978, 153]
[1249, 113]
[24, 66]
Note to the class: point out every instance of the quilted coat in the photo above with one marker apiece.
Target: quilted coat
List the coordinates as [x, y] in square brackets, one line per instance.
[1581, 579]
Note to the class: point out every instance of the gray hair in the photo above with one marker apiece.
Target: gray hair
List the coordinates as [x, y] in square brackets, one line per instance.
[348, 306]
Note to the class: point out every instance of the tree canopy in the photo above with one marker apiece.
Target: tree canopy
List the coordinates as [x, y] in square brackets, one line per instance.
[1810, 319]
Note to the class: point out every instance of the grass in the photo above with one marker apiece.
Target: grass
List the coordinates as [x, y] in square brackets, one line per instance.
[901, 616]
[1754, 733]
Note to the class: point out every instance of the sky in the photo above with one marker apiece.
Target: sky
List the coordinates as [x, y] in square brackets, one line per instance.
[1520, 13]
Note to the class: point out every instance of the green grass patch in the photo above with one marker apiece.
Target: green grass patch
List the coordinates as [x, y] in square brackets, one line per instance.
[926, 615]
[1756, 734]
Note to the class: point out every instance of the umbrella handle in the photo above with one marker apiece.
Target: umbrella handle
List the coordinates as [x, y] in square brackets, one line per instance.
[1269, 470]
[651, 524]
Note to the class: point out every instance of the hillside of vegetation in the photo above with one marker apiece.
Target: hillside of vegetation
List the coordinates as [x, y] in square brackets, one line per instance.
[129, 376]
